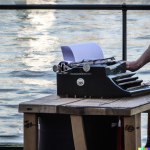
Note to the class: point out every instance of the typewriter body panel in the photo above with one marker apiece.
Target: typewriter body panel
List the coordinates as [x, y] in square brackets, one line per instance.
[95, 83]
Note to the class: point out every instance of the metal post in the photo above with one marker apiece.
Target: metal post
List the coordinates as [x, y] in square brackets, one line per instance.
[124, 32]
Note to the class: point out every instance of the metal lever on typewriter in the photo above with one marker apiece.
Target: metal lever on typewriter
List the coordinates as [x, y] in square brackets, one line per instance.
[62, 67]
[105, 59]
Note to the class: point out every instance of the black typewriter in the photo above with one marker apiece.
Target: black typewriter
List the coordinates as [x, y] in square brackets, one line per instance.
[98, 78]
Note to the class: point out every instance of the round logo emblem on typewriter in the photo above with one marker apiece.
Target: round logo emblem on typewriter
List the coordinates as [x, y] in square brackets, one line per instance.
[80, 82]
[86, 67]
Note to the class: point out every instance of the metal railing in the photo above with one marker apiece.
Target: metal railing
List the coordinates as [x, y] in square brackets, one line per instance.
[122, 7]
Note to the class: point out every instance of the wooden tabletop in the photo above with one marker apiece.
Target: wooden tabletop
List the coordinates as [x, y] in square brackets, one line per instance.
[125, 106]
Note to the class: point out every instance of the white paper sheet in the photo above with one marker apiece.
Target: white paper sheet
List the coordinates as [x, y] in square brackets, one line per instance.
[79, 52]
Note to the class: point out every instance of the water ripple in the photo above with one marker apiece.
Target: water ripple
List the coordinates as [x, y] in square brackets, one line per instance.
[143, 37]
[8, 90]
[28, 74]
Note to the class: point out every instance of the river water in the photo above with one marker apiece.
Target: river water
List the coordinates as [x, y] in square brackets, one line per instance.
[30, 42]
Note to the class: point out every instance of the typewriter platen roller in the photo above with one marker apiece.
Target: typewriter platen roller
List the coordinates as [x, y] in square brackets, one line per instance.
[98, 78]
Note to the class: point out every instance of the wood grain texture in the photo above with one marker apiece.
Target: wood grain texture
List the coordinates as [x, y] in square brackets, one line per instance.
[130, 102]
[46, 104]
[92, 111]
[126, 106]
[147, 111]
[123, 103]
[142, 108]
[78, 132]
[31, 132]
[138, 130]
[132, 139]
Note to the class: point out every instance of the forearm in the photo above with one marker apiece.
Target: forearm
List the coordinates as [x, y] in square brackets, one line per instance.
[144, 59]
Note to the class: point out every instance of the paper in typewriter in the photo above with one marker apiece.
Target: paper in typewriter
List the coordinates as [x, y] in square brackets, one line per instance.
[76, 53]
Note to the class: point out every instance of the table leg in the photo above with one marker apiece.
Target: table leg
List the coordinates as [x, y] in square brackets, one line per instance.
[30, 131]
[132, 132]
[148, 128]
[78, 132]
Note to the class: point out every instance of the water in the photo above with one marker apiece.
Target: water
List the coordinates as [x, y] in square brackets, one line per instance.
[30, 43]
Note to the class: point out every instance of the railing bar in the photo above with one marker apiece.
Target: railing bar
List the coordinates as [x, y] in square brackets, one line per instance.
[138, 7]
[53, 6]
[77, 7]
[124, 35]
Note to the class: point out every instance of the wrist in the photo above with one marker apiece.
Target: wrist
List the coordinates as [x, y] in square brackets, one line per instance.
[139, 64]
[133, 66]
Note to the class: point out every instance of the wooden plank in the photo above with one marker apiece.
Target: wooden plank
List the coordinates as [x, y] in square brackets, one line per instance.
[30, 132]
[124, 103]
[42, 100]
[129, 102]
[126, 106]
[92, 111]
[37, 109]
[92, 102]
[138, 130]
[93, 107]
[132, 132]
[85, 107]
[140, 109]
[108, 111]
[78, 132]
[46, 104]
[147, 111]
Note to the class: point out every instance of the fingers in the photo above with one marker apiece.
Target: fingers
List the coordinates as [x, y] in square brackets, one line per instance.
[130, 66]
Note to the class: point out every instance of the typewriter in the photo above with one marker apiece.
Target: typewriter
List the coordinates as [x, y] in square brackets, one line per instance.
[96, 77]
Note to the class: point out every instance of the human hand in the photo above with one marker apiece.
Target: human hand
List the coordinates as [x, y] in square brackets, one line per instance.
[132, 66]
[140, 62]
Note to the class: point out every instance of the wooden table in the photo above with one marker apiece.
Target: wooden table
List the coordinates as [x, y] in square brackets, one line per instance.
[128, 107]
